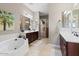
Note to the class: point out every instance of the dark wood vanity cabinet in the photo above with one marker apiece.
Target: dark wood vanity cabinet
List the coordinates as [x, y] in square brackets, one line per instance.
[32, 36]
[63, 46]
[69, 48]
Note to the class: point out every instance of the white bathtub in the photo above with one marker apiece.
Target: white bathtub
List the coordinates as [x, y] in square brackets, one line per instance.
[11, 47]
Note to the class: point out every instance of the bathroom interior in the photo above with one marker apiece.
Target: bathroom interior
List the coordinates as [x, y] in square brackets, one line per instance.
[39, 29]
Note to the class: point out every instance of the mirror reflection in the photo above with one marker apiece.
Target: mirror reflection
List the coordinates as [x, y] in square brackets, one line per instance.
[25, 23]
[70, 19]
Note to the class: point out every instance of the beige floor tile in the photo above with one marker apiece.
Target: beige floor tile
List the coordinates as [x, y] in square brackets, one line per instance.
[42, 48]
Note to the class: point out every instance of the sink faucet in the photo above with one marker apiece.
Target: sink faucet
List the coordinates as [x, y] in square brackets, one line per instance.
[75, 34]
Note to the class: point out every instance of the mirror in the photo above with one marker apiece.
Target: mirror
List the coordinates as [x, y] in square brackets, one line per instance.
[70, 19]
[25, 23]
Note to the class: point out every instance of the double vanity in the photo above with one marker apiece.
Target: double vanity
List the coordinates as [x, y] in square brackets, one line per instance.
[69, 43]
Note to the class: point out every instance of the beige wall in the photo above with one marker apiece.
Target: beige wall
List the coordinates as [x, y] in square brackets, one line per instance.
[17, 9]
[55, 12]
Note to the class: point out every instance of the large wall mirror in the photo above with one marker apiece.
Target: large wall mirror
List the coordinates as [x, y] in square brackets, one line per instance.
[70, 18]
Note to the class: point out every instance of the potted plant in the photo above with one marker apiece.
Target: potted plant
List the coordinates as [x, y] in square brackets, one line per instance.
[6, 18]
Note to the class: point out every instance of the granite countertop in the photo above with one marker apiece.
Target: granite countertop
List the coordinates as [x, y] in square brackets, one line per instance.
[29, 31]
[68, 36]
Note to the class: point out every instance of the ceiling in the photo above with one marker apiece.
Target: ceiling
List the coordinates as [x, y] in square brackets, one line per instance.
[40, 7]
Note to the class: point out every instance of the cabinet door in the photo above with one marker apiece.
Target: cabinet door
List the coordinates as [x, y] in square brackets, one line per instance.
[32, 36]
[36, 35]
[63, 46]
[73, 49]
[29, 36]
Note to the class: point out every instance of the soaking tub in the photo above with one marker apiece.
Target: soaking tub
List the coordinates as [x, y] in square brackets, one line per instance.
[10, 45]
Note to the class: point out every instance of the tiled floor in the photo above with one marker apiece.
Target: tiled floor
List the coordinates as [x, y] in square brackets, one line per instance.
[43, 48]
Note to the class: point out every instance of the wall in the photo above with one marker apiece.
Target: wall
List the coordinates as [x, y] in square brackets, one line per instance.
[35, 25]
[55, 14]
[17, 9]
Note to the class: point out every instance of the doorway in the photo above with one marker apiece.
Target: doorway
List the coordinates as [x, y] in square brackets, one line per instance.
[43, 26]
